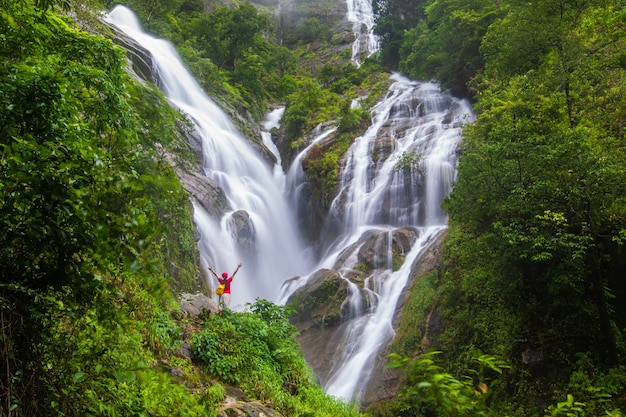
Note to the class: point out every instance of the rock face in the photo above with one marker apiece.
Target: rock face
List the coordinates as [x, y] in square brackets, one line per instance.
[140, 61]
[242, 228]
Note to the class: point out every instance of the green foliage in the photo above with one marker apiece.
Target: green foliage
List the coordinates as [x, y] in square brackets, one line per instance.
[567, 408]
[89, 210]
[393, 19]
[415, 317]
[408, 161]
[431, 390]
[537, 216]
[445, 46]
[229, 340]
[94, 360]
[327, 98]
[255, 349]
[308, 31]
[322, 168]
[228, 32]
[595, 391]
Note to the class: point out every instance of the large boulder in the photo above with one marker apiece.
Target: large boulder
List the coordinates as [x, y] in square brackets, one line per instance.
[319, 300]
[375, 252]
[241, 226]
[318, 319]
[194, 305]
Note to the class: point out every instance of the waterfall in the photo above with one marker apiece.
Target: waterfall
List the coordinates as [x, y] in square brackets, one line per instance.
[361, 14]
[394, 176]
[259, 228]
[272, 121]
[392, 182]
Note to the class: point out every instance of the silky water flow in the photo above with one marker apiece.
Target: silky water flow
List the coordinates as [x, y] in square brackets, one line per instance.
[404, 188]
[275, 249]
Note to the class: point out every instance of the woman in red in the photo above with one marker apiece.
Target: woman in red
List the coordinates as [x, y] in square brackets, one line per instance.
[224, 300]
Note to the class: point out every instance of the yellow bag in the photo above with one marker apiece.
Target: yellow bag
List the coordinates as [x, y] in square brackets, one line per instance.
[220, 289]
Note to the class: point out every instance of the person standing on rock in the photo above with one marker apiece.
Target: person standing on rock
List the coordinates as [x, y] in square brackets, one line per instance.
[225, 280]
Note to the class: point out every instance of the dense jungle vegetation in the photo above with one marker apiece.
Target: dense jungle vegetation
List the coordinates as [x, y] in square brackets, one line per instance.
[97, 237]
[96, 231]
[533, 268]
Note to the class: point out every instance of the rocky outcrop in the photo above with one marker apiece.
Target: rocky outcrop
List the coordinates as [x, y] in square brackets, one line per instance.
[242, 228]
[194, 305]
[319, 300]
[374, 252]
[139, 60]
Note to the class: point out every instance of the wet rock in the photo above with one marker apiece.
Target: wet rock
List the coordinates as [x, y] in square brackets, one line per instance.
[374, 252]
[139, 58]
[206, 192]
[403, 239]
[319, 300]
[241, 227]
[384, 146]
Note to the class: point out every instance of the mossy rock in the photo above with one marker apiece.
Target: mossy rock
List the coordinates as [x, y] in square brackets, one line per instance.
[320, 299]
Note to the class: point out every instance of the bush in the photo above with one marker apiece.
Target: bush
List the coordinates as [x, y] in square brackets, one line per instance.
[255, 349]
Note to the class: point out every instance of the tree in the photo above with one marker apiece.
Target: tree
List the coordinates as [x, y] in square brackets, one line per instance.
[535, 182]
[227, 33]
[445, 46]
[84, 209]
[393, 18]
[432, 391]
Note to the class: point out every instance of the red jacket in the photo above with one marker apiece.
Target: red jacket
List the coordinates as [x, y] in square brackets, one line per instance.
[226, 282]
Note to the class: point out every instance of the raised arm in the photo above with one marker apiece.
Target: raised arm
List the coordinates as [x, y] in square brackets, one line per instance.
[234, 273]
[213, 271]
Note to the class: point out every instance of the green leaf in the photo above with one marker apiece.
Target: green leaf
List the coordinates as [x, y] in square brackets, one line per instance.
[79, 376]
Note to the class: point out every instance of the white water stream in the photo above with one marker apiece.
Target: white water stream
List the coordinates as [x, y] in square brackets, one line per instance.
[424, 127]
[419, 124]
[361, 14]
[248, 182]
[415, 123]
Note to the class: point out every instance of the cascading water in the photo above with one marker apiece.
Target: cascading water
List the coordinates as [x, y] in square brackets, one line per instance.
[393, 179]
[259, 214]
[361, 14]
[272, 121]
